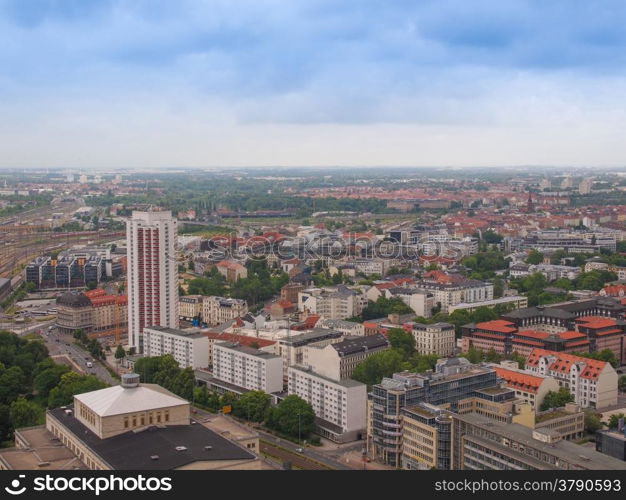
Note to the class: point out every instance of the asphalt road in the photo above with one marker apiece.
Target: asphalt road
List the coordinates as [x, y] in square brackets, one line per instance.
[66, 345]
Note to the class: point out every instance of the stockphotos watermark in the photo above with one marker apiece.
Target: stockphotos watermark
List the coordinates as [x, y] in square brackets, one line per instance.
[96, 485]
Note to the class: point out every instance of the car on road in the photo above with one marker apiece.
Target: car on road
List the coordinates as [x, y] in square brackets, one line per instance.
[89, 364]
[300, 450]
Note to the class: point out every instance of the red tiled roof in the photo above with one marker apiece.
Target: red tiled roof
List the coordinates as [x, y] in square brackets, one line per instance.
[497, 325]
[609, 332]
[596, 321]
[533, 343]
[563, 363]
[532, 334]
[570, 335]
[312, 320]
[516, 380]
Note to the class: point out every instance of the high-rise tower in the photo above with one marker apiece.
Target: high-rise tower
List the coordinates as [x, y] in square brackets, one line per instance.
[152, 273]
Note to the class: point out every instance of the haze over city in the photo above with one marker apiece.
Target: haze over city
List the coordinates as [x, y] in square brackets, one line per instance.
[116, 83]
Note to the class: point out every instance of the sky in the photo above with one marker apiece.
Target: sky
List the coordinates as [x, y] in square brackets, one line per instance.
[210, 83]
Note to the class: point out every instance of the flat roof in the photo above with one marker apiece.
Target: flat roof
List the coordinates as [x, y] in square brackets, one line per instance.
[133, 450]
[190, 333]
[346, 382]
[246, 350]
[575, 454]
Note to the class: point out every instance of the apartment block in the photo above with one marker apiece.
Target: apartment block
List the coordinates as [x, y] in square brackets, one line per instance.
[247, 367]
[338, 302]
[217, 310]
[593, 383]
[188, 347]
[339, 405]
[337, 361]
[435, 338]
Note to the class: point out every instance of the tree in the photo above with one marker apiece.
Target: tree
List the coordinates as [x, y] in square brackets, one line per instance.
[622, 383]
[592, 422]
[379, 365]
[120, 353]
[252, 406]
[24, 413]
[614, 420]
[604, 355]
[71, 384]
[401, 339]
[48, 379]
[293, 416]
[556, 399]
[534, 257]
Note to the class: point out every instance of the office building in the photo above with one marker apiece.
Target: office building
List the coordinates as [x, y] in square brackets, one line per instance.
[479, 443]
[152, 273]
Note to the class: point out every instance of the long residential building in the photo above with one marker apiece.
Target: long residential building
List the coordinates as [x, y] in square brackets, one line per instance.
[65, 271]
[450, 290]
[247, 367]
[339, 405]
[189, 348]
[593, 383]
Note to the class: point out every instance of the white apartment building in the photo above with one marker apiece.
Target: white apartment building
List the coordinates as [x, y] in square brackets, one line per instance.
[291, 348]
[436, 338]
[593, 383]
[188, 347]
[338, 302]
[217, 310]
[421, 301]
[152, 273]
[340, 406]
[247, 367]
[345, 327]
[337, 361]
[451, 294]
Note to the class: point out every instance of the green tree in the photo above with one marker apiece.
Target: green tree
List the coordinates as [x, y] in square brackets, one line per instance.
[556, 399]
[534, 257]
[622, 383]
[48, 379]
[71, 384]
[379, 365]
[592, 422]
[614, 420]
[24, 413]
[401, 339]
[292, 416]
[252, 406]
[120, 353]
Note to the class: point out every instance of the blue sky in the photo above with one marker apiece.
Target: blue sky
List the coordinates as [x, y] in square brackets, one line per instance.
[157, 83]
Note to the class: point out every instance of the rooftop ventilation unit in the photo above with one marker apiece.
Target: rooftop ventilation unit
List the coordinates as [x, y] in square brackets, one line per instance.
[154, 457]
[130, 380]
[181, 448]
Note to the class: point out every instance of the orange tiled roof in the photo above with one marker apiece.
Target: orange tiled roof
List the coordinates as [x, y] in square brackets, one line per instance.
[596, 321]
[497, 325]
[563, 363]
[516, 380]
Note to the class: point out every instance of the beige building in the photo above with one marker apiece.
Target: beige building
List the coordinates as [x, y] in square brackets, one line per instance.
[232, 270]
[217, 310]
[338, 302]
[436, 338]
[529, 387]
[141, 427]
[337, 361]
[190, 307]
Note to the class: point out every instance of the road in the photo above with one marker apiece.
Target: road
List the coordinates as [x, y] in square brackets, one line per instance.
[58, 343]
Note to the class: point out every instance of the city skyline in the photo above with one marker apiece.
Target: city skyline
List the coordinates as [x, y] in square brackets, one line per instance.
[210, 84]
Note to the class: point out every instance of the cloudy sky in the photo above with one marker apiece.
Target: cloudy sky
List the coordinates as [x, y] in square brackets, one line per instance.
[158, 83]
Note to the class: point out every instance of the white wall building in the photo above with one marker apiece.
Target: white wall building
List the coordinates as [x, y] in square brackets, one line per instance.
[436, 338]
[338, 302]
[247, 367]
[421, 301]
[188, 347]
[152, 273]
[339, 405]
